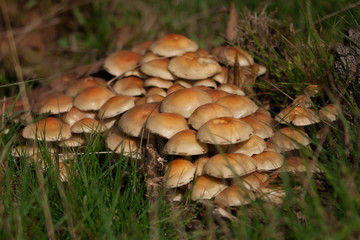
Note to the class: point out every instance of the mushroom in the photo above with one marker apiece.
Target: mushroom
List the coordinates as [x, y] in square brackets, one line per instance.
[55, 104]
[267, 161]
[206, 187]
[133, 121]
[129, 86]
[254, 145]
[122, 144]
[193, 67]
[234, 196]
[229, 165]
[184, 143]
[172, 45]
[207, 112]
[178, 173]
[48, 129]
[240, 106]
[84, 83]
[185, 101]
[224, 131]
[157, 68]
[166, 124]
[120, 62]
[92, 98]
[115, 106]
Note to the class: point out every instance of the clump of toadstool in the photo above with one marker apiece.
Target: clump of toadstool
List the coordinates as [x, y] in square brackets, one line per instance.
[178, 97]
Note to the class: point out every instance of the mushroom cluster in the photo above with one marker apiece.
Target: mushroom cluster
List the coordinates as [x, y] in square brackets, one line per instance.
[220, 144]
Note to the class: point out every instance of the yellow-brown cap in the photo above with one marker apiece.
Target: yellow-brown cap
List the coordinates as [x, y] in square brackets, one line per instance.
[234, 196]
[224, 131]
[185, 101]
[116, 106]
[122, 61]
[207, 112]
[185, 143]
[48, 129]
[193, 67]
[206, 187]
[178, 173]
[129, 86]
[172, 45]
[229, 165]
[240, 106]
[133, 121]
[92, 98]
[166, 124]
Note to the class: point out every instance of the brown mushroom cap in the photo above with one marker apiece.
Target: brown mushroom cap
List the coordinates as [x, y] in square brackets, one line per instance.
[74, 141]
[185, 143]
[274, 194]
[179, 172]
[229, 165]
[224, 131]
[54, 104]
[258, 69]
[254, 145]
[183, 83]
[312, 90]
[222, 76]
[121, 144]
[191, 66]
[49, 129]
[157, 68]
[142, 47]
[328, 113]
[206, 83]
[133, 121]
[200, 163]
[155, 91]
[302, 101]
[299, 116]
[174, 88]
[240, 106]
[140, 100]
[172, 45]
[216, 94]
[166, 124]
[87, 125]
[120, 62]
[262, 124]
[206, 187]
[230, 55]
[267, 161]
[84, 83]
[129, 86]
[148, 57]
[116, 106]
[252, 181]
[231, 88]
[288, 139]
[92, 98]
[157, 82]
[155, 98]
[207, 112]
[234, 196]
[75, 115]
[185, 101]
[298, 165]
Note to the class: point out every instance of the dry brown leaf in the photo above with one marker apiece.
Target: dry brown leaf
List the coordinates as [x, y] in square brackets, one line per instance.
[231, 26]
